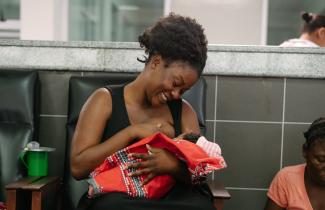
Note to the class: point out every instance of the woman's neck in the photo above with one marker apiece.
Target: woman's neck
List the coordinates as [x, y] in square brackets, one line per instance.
[310, 180]
[134, 92]
[309, 37]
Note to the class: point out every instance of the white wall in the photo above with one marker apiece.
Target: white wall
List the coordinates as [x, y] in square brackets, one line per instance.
[43, 19]
[226, 21]
[61, 20]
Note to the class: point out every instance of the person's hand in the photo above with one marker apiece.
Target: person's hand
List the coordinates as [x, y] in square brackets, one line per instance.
[156, 162]
[151, 127]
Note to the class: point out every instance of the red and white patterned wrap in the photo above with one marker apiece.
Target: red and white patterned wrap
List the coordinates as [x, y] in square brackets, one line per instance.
[111, 175]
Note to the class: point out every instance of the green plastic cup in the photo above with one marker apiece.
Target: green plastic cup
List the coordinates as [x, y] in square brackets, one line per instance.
[37, 160]
[37, 163]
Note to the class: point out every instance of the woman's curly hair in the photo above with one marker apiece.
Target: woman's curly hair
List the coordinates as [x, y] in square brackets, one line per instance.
[176, 38]
[315, 132]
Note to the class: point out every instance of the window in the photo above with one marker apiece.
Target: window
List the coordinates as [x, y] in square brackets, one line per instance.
[9, 19]
[284, 20]
[112, 20]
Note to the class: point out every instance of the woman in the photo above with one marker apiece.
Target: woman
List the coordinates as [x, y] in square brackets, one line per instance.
[116, 116]
[302, 186]
[313, 32]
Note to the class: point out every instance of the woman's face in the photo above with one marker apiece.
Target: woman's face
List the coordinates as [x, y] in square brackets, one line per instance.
[315, 159]
[169, 83]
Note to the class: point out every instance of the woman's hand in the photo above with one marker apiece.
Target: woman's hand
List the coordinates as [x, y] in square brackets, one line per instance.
[156, 162]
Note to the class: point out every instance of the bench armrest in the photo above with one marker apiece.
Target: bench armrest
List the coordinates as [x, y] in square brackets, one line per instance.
[218, 189]
[219, 192]
[22, 182]
[41, 190]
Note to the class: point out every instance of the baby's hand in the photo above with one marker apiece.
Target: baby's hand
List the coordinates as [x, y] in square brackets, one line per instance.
[91, 191]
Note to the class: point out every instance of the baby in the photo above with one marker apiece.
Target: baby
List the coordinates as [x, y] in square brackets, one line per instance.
[200, 155]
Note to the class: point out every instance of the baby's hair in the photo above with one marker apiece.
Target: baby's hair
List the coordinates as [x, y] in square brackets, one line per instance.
[315, 132]
[312, 22]
[192, 137]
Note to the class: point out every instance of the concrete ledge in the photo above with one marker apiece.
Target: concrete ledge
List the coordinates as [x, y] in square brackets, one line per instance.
[268, 61]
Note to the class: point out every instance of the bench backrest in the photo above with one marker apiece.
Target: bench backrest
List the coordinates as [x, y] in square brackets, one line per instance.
[19, 114]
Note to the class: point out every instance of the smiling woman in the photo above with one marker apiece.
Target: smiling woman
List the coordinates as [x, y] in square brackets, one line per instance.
[116, 116]
[169, 81]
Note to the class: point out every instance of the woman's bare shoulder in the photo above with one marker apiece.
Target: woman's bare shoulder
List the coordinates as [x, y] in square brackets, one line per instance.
[101, 95]
[187, 108]
[189, 118]
[99, 101]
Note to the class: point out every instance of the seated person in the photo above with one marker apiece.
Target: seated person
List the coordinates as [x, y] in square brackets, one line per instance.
[115, 116]
[201, 158]
[302, 186]
[313, 32]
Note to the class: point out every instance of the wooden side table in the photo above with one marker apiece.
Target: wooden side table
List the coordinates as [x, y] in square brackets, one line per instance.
[37, 192]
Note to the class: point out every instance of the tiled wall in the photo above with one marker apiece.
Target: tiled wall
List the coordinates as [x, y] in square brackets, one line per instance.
[257, 121]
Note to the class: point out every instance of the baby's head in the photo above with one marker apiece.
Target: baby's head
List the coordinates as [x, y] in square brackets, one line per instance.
[212, 149]
[192, 137]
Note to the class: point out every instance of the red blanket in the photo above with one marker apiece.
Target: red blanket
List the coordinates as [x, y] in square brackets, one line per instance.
[111, 175]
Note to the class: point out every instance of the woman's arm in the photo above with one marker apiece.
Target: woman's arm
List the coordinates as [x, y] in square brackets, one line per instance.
[189, 124]
[86, 150]
[271, 205]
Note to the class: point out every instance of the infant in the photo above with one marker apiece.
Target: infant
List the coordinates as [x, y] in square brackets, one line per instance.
[200, 155]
